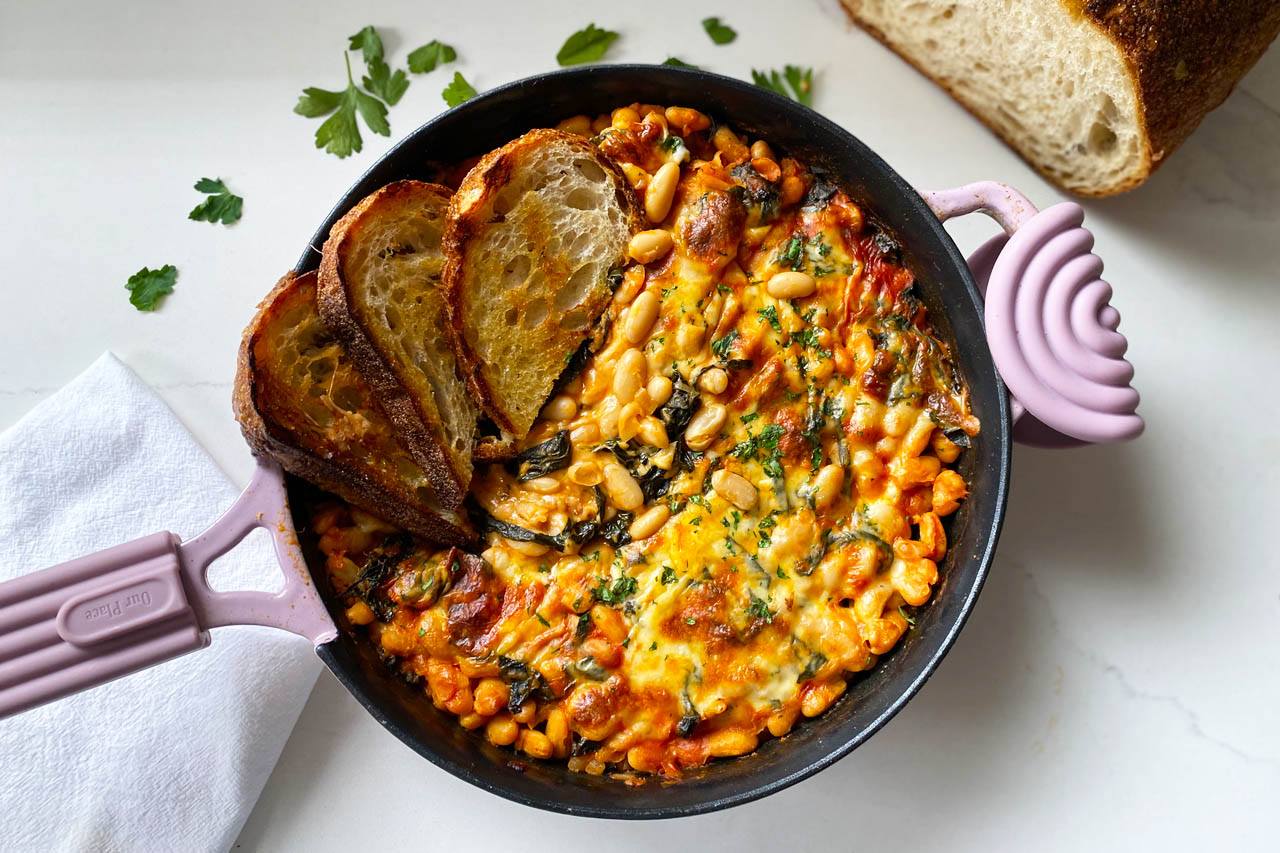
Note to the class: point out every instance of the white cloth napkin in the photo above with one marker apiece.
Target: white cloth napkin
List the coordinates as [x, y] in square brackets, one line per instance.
[167, 759]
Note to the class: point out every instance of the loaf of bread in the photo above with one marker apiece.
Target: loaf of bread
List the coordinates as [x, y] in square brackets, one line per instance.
[1094, 94]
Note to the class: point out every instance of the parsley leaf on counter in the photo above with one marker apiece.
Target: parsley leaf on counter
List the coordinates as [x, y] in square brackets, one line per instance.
[431, 54]
[340, 133]
[679, 63]
[369, 43]
[458, 91]
[586, 45]
[720, 33]
[147, 286]
[221, 205]
[800, 80]
[381, 82]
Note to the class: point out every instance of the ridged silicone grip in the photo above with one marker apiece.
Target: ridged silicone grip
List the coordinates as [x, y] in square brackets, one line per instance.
[93, 619]
[98, 617]
[1051, 328]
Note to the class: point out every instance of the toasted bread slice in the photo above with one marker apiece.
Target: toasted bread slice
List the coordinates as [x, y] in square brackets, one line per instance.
[382, 296]
[533, 232]
[301, 402]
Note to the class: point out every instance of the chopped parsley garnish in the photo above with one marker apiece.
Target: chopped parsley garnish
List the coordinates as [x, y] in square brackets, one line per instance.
[584, 626]
[771, 315]
[621, 589]
[689, 620]
[678, 63]
[759, 609]
[910, 620]
[769, 436]
[458, 90]
[586, 45]
[433, 53]
[807, 338]
[541, 619]
[792, 254]
[720, 33]
[781, 573]
[722, 346]
[147, 286]
[668, 575]
[221, 205]
[764, 528]
[749, 417]
[653, 647]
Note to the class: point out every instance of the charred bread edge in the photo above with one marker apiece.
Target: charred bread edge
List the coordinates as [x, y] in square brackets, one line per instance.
[398, 405]
[263, 439]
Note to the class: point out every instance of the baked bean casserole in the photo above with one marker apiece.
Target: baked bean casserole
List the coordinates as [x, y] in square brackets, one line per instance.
[732, 502]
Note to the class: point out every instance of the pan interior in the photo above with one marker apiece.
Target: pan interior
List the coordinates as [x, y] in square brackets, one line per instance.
[955, 313]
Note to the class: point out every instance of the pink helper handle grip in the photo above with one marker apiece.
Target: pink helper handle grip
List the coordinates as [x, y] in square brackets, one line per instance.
[1050, 326]
[105, 615]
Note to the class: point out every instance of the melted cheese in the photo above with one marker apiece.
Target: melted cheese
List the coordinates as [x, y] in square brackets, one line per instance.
[733, 618]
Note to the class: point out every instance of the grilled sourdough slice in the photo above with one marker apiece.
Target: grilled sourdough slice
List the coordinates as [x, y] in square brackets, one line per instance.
[301, 402]
[533, 232]
[381, 293]
[1094, 95]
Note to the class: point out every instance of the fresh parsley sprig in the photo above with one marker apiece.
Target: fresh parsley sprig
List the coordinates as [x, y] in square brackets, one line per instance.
[221, 206]
[679, 63]
[380, 81]
[586, 45]
[799, 79]
[340, 133]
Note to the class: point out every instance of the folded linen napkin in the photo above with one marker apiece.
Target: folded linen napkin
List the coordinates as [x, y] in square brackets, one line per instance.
[170, 758]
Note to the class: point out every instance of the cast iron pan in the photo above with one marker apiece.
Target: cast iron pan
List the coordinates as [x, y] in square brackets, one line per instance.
[955, 310]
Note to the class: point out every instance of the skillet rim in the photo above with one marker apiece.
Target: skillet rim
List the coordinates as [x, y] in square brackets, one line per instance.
[913, 205]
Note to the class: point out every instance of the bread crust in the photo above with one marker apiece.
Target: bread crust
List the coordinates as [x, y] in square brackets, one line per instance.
[269, 439]
[476, 195]
[1183, 58]
[413, 424]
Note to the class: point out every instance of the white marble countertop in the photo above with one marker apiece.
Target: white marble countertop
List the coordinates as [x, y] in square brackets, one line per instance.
[1118, 684]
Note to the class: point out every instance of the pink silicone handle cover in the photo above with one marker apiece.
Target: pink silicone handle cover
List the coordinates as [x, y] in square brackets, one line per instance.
[98, 617]
[1050, 326]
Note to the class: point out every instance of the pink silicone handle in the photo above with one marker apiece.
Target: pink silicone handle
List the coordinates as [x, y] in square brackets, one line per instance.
[1050, 326]
[105, 615]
